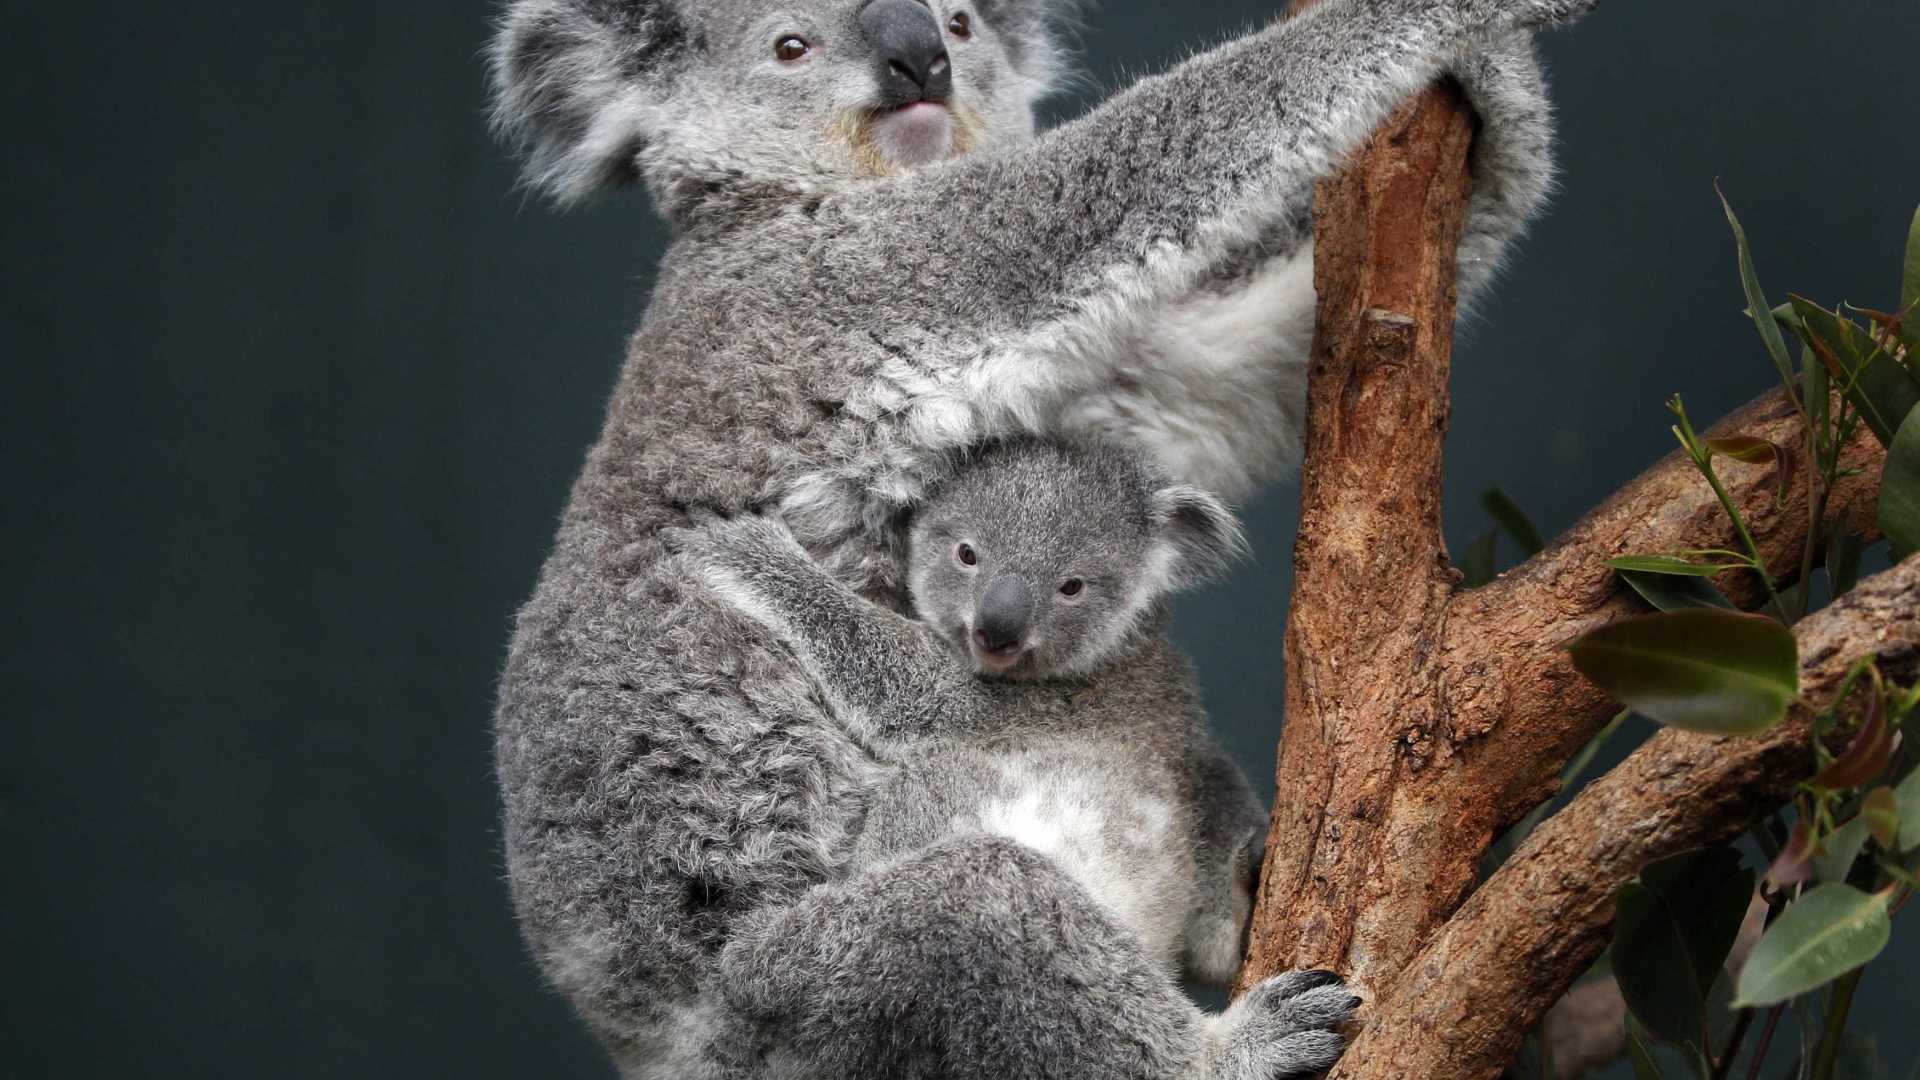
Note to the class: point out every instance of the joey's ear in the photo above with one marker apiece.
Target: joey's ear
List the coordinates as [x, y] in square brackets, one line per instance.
[577, 85]
[1198, 534]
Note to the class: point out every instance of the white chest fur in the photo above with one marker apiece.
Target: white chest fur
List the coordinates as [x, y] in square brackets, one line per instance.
[1124, 843]
[1213, 385]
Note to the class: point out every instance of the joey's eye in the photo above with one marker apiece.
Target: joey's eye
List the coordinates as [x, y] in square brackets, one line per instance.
[1072, 587]
[966, 555]
[791, 48]
[960, 25]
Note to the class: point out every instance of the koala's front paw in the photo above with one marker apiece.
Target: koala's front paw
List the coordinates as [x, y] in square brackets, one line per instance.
[729, 555]
[1284, 1027]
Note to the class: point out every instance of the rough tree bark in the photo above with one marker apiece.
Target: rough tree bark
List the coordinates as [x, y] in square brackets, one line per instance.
[1461, 1007]
[1422, 720]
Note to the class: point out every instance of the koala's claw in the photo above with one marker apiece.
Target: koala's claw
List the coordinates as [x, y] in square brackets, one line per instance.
[1286, 1026]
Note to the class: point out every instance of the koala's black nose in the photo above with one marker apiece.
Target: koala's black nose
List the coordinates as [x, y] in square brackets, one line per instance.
[911, 49]
[1001, 620]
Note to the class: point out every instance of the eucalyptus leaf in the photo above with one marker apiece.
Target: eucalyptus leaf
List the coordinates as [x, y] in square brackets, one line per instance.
[1641, 1054]
[1910, 279]
[1819, 391]
[1828, 932]
[1843, 558]
[1754, 450]
[1703, 669]
[1674, 928]
[1876, 383]
[1908, 792]
[1859, 1058]
[1794, 862]
[1757, 307]
[1514, 520]
[1838, 851]
[1669, 592]
[1899, 513]
[1891, 388]
[1866, 754]
[1880, 810]
[1673, 564]
[1476, 562]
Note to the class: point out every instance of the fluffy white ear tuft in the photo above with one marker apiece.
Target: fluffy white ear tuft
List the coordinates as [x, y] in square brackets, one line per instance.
[576, 82]
[1199, 533]
[1036, 33]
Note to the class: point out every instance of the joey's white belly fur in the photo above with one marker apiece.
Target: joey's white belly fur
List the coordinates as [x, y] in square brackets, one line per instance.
[1125, 844]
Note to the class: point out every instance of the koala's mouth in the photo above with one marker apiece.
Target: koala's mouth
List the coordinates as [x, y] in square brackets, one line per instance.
[915, 133]
[1007, 661]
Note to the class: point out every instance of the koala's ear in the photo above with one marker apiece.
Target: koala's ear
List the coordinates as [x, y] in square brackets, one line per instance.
[1035, 32]
[577, 85]
[1198, 536]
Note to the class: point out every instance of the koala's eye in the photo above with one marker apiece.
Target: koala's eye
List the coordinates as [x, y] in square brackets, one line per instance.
[960, 25]
[966, 555]
[1072, 587]
[791, 48]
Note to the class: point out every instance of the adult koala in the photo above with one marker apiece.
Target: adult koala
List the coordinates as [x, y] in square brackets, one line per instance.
[875, 262]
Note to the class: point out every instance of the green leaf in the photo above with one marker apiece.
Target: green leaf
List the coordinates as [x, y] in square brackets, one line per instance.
[1908, 792]
[1510, 517]
[1757, 307]
[1673, 564]
[1476, 562]
[1892, 390]
[1825, 934]
[1910, 279]
[1641, 1054]
[1794, 863]
[1838, 851]
[1819, 392]
[1859, 1058]
[1669, 592]
[1876, 383]
[1754, 450]
[1705, 670]
[1843, 557]
[1674, 928]
[1867, 753]
[1900, 490]
[1880, 810]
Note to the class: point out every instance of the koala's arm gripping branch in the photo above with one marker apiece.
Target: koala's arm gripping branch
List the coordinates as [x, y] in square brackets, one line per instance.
[1185, 168]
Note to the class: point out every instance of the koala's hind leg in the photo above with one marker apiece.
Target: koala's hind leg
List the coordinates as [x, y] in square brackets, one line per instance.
[977, 957]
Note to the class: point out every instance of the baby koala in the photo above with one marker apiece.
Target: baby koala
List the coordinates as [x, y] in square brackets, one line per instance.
[1034, 696]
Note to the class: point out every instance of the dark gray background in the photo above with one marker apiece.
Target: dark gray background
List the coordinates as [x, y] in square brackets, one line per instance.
[294, 384]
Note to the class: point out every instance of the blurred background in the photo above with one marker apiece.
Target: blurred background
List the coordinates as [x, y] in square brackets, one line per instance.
[295, 381]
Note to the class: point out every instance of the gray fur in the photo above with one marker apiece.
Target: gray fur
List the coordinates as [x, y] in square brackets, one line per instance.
[1089, 752]
[831, 322]
[1090, 746]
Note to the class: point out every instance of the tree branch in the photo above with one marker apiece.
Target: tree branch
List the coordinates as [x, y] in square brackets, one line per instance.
[1371, 578]
[1504, 653]
[1462, 1007]
[1422, 721]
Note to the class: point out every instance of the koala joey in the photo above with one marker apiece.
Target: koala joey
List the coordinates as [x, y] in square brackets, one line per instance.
[877, 261]
[1032, 694]
[1032, 698]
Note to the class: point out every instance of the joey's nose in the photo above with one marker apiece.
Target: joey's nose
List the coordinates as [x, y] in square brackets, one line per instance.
[1001, 620]
[911, 51]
